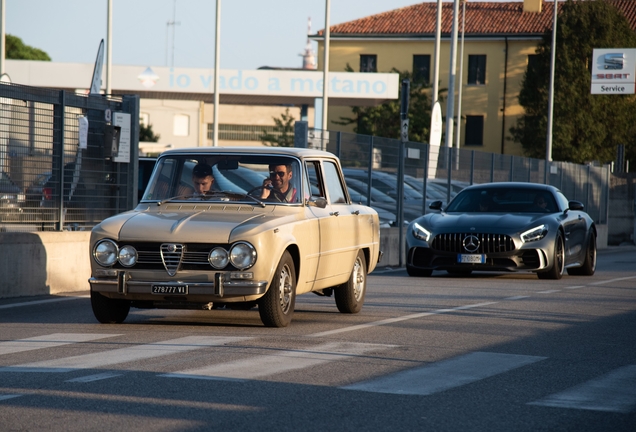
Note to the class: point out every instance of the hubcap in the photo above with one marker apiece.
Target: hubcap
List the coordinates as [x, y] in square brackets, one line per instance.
[358, 280]
[285, 289]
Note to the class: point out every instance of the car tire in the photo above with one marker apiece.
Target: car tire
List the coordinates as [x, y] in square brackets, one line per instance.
[416, 272]
[589, 264]
[558, 260]
[109, 311]
[350, 295]
[276, 307]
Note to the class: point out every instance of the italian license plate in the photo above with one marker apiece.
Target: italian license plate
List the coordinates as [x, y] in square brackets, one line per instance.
[170, 289]
[471, 258]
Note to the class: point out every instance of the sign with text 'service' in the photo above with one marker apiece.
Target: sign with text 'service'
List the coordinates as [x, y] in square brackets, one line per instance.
[613, 71]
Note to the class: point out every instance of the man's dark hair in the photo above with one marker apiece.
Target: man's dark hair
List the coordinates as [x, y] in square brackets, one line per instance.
[202, 170]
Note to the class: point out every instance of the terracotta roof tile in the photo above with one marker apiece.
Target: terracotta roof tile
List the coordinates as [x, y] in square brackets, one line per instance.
[482, 18]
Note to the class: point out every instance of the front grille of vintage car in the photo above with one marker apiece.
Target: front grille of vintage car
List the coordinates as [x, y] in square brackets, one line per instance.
[479, 243]
[193, 256]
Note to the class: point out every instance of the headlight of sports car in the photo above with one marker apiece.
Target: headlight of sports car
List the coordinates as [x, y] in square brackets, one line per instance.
[105, 253]
[242, 255]
[534, 234]
[127, 256]
[218, 258]
[420, 232]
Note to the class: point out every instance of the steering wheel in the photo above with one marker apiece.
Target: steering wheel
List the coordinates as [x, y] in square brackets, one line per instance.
[280, 195]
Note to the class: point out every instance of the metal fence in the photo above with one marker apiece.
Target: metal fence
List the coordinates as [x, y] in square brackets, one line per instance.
[67, 161]
[451, 169]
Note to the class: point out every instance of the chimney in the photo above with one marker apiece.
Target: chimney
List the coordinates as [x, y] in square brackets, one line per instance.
[532, 5]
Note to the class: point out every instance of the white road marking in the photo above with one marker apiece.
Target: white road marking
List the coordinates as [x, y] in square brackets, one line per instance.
[96, 377]
[516, 297]
[48, 341]
[398, 319]
[36, 302]
[447, 374]
[123, 355]
[280, 361]
[612, 280]
[614, 392]
[8, 396]
[575, 287]
[548, 291]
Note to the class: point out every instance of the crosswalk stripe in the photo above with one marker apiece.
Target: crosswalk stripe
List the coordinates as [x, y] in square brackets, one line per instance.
[281, 361]
[48, 341]
[614, 392]
[96, 377]
[8, 396]
[123, 355]
[446, 374]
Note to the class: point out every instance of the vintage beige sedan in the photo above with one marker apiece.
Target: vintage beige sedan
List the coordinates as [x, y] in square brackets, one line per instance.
[236, 228]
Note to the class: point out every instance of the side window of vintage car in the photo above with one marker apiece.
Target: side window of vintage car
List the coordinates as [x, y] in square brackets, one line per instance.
[313, 170]
[333, 184]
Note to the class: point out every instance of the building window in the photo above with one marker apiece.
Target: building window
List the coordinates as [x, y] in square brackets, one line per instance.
[474, 131]
[422, 68]
[181, 125]
[235, 132]
[368, 63]
[477, 69]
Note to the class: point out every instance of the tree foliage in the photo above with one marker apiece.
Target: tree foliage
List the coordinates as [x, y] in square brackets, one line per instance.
[284, 131]
[586, 127]
[146, 134]
[384, 120]
[18, 50]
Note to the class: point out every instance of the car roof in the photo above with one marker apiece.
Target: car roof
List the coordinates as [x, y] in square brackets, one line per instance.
[290, 151]
[515, 185]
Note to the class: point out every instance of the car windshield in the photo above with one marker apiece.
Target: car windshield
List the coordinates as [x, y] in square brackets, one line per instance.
[503, 200]
[225, 177]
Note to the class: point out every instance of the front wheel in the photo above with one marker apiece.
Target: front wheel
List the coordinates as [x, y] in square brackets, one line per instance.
[109, 311]
[558, 260]
[350, 295]
[589, 264]
[276, 307]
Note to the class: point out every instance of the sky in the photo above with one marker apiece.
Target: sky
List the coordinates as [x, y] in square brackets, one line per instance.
[254, 33]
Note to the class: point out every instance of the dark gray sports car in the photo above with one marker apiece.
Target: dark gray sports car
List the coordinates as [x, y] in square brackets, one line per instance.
[504, 227]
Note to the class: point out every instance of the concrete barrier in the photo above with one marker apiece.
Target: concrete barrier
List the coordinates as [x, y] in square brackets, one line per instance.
[40, 263]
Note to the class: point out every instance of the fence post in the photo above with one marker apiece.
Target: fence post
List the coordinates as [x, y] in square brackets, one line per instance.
[369, 171]
[492, 167]
[338, 143]
[425, 180]
[512, 168]
[58, 155]
[472, 166]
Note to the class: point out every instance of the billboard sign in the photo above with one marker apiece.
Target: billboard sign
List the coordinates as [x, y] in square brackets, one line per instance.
[613, 71]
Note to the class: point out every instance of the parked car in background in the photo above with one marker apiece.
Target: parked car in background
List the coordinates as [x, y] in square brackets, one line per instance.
[504, 227]
[12, 198]
[42, 200]
[233, 248]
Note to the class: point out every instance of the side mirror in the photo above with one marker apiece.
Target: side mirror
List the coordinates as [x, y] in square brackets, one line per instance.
[575, 205]
[317, 202]
[435, 205]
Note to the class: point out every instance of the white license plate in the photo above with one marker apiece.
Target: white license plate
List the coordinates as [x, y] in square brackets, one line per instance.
[471, 258]
[170, 289]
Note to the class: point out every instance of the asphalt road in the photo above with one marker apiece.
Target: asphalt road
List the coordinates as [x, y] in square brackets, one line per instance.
[489, 352]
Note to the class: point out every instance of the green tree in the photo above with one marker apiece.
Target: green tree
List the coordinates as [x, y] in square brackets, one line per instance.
[384, 120]
[283, 135]
[146, 134]
[18, 50]
[586, 127]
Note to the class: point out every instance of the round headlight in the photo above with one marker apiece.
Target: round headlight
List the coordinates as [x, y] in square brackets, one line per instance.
[242, 255]
[218, 258]
[105, 253]
[127, 256]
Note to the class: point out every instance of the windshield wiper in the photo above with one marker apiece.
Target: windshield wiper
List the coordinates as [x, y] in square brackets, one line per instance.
[213, 194]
